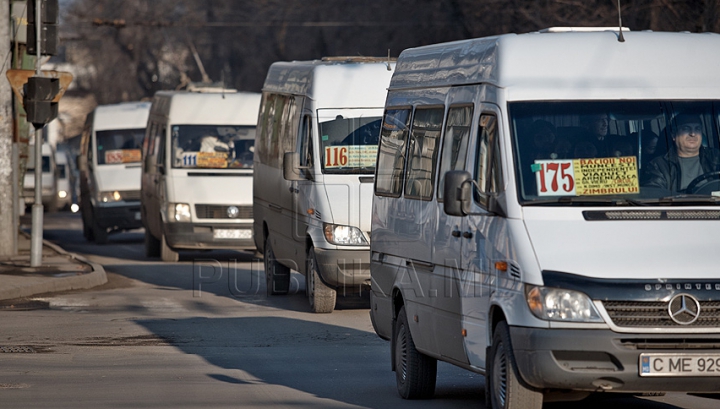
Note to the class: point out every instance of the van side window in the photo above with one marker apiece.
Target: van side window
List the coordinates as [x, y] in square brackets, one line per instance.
[288, 127]
[424, 141]
[487, 172]
[160, 144]
[306, 146]
[457, 130]
[272, 111]
[392, 151]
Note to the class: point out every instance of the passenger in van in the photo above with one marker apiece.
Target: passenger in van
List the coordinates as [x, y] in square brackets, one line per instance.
[686, 160]
[211, 143]
[649, 149]
[546, 143]
[597, 127]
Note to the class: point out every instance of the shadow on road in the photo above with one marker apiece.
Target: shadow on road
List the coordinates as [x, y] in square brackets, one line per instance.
[322, 360]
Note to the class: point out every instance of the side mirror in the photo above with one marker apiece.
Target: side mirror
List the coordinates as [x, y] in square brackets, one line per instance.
[291, 166]
[457, 192]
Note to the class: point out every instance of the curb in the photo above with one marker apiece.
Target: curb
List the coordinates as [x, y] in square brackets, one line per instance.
[19, 287]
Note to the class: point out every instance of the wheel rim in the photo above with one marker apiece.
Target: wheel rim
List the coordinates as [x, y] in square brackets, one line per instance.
[500, 375]
[401, 354]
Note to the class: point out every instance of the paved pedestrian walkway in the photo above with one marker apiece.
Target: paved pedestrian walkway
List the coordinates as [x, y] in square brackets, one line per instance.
[60, 271]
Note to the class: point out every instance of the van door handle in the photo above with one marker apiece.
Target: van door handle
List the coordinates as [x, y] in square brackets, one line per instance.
[467, 235]
[456, 233]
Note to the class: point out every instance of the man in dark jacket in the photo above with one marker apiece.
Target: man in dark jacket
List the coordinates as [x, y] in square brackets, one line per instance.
[684, 162]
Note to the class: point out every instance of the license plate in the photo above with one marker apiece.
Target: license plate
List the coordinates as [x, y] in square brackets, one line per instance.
[679, 365]
[232, 233]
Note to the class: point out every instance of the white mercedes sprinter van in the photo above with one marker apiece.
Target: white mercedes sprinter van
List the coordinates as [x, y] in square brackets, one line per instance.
[314, 164]
[540, 218]
[110, 169]
[197, 171]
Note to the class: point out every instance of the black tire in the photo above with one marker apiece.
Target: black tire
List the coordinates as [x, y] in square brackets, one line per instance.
[152, 245]
[166, 252]
[415, 372]
[100, 234]
[87, 227]
[322, 298]
[277, 276]
[507, 390]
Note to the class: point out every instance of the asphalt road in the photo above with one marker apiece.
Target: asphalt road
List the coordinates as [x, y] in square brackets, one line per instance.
[202, 333]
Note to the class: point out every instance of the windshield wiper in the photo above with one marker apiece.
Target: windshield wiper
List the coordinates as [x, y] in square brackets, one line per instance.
[686, 200]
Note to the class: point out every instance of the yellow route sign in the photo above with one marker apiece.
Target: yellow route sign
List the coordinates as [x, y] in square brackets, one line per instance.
[18, 78]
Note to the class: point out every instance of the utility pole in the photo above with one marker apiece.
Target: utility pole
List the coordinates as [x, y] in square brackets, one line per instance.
[8, 227]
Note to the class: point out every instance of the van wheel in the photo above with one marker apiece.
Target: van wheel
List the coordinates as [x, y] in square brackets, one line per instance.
[322, 298]
[277, 276]
[152, 245]
[505, 387]
[166, 252]
[415, 372]
[87, 228]
[100, 234]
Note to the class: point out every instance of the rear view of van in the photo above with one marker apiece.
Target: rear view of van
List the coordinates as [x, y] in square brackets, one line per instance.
[110, 169]
[197, 171]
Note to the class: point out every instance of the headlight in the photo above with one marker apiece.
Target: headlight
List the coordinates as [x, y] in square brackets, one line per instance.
[555, 304]
[178, 212]
[344, 235]
[62, 194]
[106, 197]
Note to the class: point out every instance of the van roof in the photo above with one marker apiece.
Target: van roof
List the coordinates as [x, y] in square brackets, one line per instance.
[126, 115]
[571, 64]
[334, 82]
[200, 108]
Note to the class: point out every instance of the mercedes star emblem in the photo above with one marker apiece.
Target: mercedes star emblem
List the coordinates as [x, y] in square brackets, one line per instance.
[233, 212]
[684, 309]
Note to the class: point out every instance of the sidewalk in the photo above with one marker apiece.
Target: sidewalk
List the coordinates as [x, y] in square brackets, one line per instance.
[60, 271]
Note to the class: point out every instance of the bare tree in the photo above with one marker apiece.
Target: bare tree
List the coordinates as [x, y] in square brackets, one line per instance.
[146, 45]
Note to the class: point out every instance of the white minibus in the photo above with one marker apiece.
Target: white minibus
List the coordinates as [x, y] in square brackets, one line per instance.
[197, 171]
[546, 213]
[110, 169]
[316, 148]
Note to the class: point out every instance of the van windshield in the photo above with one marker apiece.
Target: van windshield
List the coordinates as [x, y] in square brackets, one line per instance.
[213, 146]
[349, 139]
[616, 153]
[119, 146]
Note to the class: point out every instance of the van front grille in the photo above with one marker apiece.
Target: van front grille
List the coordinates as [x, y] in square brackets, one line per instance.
[654, 314]
[130, 195]
[209, 211]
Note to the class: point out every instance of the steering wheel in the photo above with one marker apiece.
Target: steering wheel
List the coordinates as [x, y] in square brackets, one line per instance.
[707, 188]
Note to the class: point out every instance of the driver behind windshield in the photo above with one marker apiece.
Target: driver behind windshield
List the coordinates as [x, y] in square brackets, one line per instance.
[686, 159]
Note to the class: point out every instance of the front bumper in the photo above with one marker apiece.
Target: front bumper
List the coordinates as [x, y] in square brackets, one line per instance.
[123, 216]
[343, 268]
[595, 360]
[200, 236]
